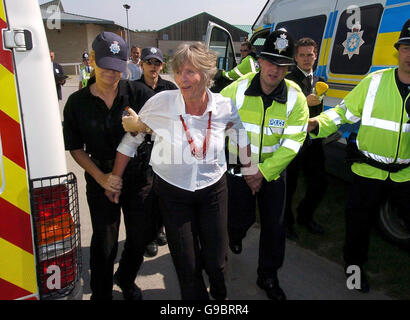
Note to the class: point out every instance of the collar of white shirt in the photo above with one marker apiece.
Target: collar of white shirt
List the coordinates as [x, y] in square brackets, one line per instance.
[180, 104]
[306, 73]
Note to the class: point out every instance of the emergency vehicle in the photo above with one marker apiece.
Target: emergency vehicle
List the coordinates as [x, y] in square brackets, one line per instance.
[355, 38]
[40, 250]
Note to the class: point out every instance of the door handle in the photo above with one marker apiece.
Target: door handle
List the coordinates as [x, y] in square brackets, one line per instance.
[18, 39]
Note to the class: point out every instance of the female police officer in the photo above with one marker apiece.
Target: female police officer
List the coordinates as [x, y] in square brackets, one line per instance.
[92, 132]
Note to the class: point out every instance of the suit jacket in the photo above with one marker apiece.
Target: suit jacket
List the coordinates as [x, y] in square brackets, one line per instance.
[298, 76]
[59, 78]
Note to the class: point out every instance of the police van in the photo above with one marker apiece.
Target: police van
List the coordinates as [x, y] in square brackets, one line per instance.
[355, 38]
[40, 250]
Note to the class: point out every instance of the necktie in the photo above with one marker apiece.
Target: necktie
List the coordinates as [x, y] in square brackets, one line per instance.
[308, 84]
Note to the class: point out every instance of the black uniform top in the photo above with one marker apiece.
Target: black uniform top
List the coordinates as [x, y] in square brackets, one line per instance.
[88, 122]
[404, 89]
[161, 85]
[307, 88]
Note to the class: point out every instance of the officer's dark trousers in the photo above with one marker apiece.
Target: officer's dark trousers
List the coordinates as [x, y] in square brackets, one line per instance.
[366, 196]
[241, 216]
[105, 219]
[311, 161]
[196, 228]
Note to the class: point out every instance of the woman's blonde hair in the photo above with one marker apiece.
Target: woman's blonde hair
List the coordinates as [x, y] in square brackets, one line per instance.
[201, 58]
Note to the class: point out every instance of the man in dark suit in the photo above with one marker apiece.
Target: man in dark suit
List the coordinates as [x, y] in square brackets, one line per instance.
[59, 76]
[311, 158]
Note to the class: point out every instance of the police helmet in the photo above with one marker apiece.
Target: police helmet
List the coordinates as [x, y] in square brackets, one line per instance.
[279, 48]
[404, 35]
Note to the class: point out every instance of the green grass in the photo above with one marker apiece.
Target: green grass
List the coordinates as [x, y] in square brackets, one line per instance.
[388, 266]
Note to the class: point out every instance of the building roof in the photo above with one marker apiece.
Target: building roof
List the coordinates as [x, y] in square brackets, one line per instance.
[245, 27]
[193, 28]
[68, 17]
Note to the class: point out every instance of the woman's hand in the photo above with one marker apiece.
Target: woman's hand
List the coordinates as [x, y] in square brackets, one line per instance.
[113, 196]
[133, 123]
[110, 182]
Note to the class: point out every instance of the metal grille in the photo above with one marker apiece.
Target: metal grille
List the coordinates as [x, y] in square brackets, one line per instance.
[57, 228]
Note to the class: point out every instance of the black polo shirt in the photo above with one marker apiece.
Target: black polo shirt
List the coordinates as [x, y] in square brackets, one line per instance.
[162, 84]
[89, 123]
[280, 94]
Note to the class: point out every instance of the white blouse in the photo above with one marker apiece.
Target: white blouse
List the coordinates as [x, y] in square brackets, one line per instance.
[171, 157]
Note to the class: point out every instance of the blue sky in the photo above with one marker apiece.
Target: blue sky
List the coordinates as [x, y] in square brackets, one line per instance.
[157, 14]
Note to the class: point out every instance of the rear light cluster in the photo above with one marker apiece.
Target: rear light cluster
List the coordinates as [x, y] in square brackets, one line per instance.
[57, 228]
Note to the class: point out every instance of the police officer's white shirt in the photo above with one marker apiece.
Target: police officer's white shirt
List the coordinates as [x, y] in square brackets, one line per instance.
[171, 157]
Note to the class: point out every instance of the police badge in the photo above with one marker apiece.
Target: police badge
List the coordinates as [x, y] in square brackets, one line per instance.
[353, 42]
[115, 47]
[281, 43]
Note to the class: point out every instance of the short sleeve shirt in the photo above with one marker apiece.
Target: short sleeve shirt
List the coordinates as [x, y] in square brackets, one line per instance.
[171, 157]
[90, 125]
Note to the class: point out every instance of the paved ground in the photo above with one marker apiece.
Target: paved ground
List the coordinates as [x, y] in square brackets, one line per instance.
[304, 276]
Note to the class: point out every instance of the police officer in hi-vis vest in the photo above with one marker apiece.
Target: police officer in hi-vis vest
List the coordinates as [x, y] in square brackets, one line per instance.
[381, 154]
[275, 115]
[248, 63]
[85, 71]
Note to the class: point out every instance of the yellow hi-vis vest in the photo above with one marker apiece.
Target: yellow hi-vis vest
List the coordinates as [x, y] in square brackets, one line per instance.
[248, 64]
[384, 132]
[85, 76]
[275, 134]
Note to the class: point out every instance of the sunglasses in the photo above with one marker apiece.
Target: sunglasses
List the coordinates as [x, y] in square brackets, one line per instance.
[154, 62]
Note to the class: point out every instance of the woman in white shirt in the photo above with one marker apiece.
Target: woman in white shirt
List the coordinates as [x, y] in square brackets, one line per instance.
[188, 159]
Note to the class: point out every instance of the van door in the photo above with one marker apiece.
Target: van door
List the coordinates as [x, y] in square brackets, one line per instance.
[1, 168]
[353, 43]
[219, 40]
[301, 19]
[18, 278]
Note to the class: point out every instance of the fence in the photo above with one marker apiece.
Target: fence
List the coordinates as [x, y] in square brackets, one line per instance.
[71, 68]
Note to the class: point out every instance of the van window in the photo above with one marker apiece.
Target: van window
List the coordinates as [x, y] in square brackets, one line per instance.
[258, 40]
[312, 27]
[356, 59]
[221, 44]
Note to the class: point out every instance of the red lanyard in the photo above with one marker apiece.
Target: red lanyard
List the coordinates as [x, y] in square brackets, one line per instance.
[196, 153]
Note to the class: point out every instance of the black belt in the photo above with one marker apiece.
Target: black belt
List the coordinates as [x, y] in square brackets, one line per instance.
[353, 154]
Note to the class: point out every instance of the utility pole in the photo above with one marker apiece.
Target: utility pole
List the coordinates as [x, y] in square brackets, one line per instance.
[127, 7]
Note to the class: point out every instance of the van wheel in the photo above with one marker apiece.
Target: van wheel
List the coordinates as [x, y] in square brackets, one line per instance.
[393, 226]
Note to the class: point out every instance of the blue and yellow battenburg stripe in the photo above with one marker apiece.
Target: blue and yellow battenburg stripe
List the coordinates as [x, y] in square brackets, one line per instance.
[385, 56]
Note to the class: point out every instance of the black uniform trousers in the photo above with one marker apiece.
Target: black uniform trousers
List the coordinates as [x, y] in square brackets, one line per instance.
[311, 162]
[196, 228]
[242, 214]
[105, 219]
[366, 196]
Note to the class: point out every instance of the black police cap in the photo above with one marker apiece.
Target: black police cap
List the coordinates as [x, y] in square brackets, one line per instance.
[111, 51]
[404, 35]
[150, 53]
[279, 48]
